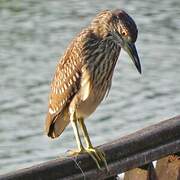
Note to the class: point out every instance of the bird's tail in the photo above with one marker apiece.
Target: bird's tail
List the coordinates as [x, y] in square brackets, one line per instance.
[55, 125]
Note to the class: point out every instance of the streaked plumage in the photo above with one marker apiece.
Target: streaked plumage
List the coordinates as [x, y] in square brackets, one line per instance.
[84, 73]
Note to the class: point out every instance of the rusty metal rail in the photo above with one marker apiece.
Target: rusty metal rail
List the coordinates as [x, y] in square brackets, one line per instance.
[134, 150]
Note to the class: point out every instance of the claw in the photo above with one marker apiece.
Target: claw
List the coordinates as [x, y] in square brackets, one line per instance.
[98, 156]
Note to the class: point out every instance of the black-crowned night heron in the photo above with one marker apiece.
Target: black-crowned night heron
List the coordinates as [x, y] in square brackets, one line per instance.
[84, 73]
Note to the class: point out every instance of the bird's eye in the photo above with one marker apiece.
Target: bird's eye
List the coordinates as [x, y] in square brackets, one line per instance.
[124, 33]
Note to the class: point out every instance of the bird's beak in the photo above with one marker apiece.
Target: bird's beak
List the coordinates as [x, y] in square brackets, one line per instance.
[130, 48]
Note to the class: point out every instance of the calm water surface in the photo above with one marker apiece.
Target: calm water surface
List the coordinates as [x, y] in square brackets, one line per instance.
[34, 34]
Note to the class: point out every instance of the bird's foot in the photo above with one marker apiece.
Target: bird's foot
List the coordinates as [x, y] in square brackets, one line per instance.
[76, 152]
[98, 156]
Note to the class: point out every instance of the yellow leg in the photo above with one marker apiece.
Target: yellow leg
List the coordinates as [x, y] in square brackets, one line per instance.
[97, 155]
[78, 139]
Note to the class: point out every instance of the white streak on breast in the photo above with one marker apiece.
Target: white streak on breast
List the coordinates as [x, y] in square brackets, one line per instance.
[85, 85]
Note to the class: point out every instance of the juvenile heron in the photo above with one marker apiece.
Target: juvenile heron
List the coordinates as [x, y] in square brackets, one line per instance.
[84, 73]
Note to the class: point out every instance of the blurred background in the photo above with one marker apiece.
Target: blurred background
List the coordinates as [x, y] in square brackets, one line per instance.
[34, 34]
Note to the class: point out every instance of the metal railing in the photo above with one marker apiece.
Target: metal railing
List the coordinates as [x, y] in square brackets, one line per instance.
[123, 154]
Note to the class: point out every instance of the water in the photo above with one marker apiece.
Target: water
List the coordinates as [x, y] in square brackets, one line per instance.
[34, 34]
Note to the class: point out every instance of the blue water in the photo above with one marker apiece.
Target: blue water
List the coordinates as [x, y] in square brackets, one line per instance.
[34, 34]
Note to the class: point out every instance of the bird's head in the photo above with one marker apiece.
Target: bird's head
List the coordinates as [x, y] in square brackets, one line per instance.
[124, 32]
[118, 26]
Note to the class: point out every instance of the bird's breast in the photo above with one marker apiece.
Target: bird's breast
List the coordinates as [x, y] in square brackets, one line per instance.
[96, 81]
[88, 106]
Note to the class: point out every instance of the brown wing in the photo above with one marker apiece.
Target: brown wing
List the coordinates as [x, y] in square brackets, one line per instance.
[64, 86]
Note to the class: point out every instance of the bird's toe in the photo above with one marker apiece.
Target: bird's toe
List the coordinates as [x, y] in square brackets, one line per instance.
[76, 152]
[98, 156]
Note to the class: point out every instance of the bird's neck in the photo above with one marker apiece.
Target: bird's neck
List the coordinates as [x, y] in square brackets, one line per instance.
[101, 24]
[100, 31]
